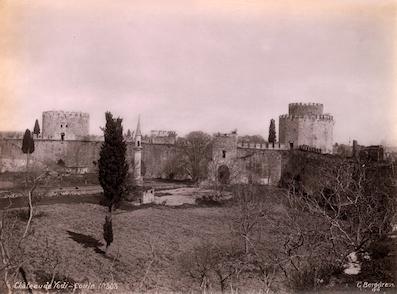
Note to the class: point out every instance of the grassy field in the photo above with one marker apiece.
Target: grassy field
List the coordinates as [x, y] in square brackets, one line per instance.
[144, 254]
[150, 241]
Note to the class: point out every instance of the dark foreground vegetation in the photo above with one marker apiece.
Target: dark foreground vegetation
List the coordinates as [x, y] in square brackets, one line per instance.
[295, 238]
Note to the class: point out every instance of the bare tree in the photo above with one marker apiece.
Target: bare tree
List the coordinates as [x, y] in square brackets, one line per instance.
[356, 200]
[344, 208]
[175, 167]
[11, 247]
[251, 211]
[212, 266]
[195, 153]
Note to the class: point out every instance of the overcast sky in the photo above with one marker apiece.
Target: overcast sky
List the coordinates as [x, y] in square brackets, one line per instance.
[201, 65]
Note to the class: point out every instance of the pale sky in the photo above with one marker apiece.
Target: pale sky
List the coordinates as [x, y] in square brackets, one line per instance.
[201, 65]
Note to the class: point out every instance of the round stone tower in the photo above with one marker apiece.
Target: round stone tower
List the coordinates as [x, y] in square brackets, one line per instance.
[65, 125]
[305, 124]
[301, 109]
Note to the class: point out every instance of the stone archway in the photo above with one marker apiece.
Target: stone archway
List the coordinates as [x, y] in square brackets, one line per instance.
[223, 174]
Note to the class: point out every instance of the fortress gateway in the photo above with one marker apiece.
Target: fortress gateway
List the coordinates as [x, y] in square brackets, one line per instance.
[65, 140]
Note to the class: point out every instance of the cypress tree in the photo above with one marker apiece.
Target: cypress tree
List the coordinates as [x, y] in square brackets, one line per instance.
[36, 129]
[113, 168]
[27, 148]
[27, 143]
[272, 132]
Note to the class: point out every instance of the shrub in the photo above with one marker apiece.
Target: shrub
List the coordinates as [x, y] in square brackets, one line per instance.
[61, 163]
[379, 250]
[312, 276]
[209, 200]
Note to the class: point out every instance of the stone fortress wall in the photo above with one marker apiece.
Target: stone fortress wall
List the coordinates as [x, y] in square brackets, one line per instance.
[305, 124]
[161, 137]
[77, 156]
[65, 125]
[244, 162]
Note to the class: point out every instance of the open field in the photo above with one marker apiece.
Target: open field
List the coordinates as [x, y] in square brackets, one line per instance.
[150, 242]
[147, 243]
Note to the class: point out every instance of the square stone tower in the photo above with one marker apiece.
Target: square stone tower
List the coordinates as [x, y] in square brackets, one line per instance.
[65, 125]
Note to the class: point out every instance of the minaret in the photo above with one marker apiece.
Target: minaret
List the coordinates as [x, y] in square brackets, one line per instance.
[138, 154]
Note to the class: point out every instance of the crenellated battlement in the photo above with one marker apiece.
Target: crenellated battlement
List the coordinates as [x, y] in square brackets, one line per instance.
[305, 109]
[305, 104]
[322, 117]
[264, 146]
[65, 114]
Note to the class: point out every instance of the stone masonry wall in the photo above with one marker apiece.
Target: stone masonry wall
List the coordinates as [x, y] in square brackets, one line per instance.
[260, 166]
[155, 157]
[305, 124]
[75, 125]
[246, 164]
[300, 109]
[77, 155]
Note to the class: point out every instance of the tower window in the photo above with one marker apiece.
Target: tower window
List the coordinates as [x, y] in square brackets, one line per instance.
[223, 153]
[139, 143]
[61, 126]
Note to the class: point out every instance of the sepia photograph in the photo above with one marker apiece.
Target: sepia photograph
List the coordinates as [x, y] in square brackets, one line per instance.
[198, 146]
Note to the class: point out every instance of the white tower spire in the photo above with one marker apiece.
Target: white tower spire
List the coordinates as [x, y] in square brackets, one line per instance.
[138, 134]
[138, 154]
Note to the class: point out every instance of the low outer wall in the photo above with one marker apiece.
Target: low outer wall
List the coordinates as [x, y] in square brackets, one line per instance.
[263, 166]
[79, 155]
[75, 154]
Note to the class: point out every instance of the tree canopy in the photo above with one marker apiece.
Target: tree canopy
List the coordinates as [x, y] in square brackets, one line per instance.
[272, 131]
[36, 129]
[195, 148]
[113, 168]
[27, 143]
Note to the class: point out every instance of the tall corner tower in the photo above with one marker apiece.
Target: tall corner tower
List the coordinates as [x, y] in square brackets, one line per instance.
[306, 124]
